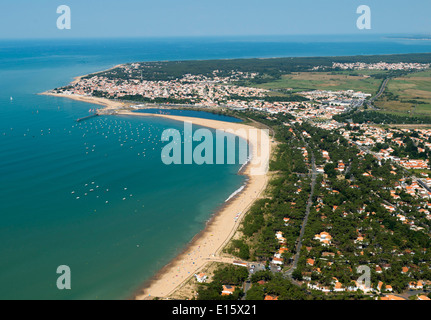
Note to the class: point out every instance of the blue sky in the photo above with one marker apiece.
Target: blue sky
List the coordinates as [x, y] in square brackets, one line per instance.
[173, 18]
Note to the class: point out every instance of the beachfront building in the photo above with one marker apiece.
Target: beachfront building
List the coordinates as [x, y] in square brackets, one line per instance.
[201, 277]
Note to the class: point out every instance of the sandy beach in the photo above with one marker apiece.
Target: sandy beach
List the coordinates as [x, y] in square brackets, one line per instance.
[107, 103]
[207, 245]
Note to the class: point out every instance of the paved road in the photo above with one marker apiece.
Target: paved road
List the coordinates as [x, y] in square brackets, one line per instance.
[304, 222]
[423, 184]
[379, 94]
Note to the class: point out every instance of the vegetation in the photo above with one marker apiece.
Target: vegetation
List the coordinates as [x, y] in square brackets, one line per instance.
[348, 205]
[351, 205]
[307, 81]
[227, 275]
[409, 94]
[274, 285]
[267, 69]
[378, 117]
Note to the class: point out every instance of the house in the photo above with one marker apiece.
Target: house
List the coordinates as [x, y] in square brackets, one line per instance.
[328, 254]
[324, 238]
[359, 239]
[280, 238]
[227, 290]
[379, 286]
[201, 277]
[277, 260]
[387, 207]
[317, 270]
[271, 298]
[310, 262]
[283, 250]
[423, 297]
[416, 285]
[338, 287]
[404, 270]
[306, 276]
[362, 287]
[401, 217]
[341, 166]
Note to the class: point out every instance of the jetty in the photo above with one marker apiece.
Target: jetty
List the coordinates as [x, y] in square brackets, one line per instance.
[87, 117]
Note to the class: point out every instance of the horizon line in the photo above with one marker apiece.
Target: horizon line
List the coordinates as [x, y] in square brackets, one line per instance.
[427, 35]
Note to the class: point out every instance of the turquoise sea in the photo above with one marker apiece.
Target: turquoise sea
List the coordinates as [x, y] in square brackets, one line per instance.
[95, 195]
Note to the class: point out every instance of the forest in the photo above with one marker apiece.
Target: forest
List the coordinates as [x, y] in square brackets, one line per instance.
[268, 69]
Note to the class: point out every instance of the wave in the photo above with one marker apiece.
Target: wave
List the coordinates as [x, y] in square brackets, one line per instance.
[245, 164]
[235, 193]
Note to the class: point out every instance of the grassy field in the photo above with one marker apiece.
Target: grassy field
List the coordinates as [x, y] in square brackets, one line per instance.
[342, 80]
[408, 126]
[408, 95]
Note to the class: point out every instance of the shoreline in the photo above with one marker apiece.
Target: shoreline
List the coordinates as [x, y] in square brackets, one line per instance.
[205, 246]
[78, 78]
[108, 104]
[155, 280]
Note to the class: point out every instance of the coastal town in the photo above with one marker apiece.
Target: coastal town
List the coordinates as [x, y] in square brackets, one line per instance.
[356, 196]
[348, 225]
[212, 91]
[380, 66]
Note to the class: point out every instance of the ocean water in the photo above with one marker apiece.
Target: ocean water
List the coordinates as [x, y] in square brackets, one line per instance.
[95, 195]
